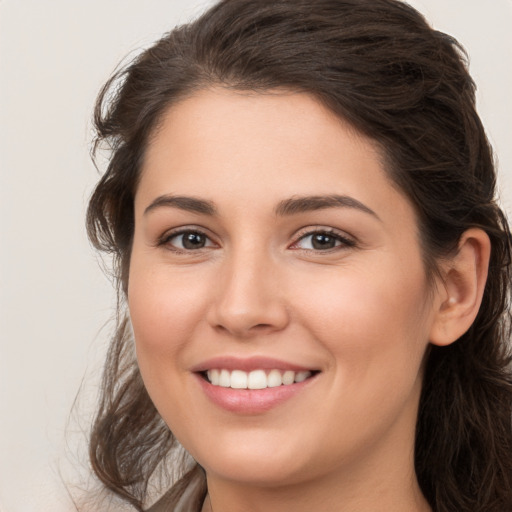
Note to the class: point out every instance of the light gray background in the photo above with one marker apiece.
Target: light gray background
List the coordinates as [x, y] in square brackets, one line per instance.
[54, 56]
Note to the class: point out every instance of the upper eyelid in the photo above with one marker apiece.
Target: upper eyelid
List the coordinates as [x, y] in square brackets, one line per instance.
[167, 235]
[185, 229]
[323, 229]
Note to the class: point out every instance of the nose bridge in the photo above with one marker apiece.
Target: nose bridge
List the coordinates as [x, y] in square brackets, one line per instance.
[249, 298]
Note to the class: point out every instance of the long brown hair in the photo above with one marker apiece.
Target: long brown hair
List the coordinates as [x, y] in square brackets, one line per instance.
[381, 67]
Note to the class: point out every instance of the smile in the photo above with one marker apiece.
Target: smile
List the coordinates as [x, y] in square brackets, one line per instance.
[254, 385]
[256, 379]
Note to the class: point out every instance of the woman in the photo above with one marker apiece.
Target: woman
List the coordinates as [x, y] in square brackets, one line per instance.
[312, 268]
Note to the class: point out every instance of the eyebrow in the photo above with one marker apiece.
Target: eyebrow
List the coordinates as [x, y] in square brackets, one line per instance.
[303, 204]
[292, 206]
[189, 204]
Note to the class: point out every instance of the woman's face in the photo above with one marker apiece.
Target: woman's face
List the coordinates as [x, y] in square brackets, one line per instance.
[270, 247]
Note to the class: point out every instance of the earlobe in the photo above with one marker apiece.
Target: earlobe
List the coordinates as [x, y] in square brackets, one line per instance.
[464, 278]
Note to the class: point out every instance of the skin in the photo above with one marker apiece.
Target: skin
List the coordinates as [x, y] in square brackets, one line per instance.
[362, 312]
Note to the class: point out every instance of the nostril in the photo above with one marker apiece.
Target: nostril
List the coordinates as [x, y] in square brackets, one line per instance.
[262, 326]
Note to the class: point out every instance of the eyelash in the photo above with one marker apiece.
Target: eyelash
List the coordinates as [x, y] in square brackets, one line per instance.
[165, 240]
[345, 242]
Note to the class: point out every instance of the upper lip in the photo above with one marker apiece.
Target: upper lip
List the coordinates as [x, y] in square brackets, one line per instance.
[248, 364]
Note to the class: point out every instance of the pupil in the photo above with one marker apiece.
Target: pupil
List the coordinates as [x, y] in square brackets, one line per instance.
[193, 241]
[322, 241]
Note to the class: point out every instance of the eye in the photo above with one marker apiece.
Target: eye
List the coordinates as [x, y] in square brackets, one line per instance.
[187, 240]
[322, 241]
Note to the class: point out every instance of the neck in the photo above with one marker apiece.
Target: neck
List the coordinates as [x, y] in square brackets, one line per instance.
[263, 501]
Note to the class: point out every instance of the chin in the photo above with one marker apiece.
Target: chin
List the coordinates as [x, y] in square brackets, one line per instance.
[256, 459]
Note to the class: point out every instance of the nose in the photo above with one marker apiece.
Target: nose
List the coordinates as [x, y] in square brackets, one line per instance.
[250, 298]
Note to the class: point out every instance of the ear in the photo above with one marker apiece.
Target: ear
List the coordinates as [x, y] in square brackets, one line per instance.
[460, 293]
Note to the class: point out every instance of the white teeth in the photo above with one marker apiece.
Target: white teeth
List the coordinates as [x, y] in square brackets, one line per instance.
[213, 377]
[274, 379]
[239, 379]
[301, 376]
[288, 378]
[225, 379]
[257, 379]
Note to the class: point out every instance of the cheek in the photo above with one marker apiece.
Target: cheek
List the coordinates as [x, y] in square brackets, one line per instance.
[165, 310]
[375, 329]
[370, 321]
[164, 313]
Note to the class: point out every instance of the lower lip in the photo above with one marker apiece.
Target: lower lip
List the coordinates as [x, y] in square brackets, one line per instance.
[251, 401]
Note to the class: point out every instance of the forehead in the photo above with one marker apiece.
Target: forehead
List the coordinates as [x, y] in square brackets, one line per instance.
[222, 144]
[226, 117]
